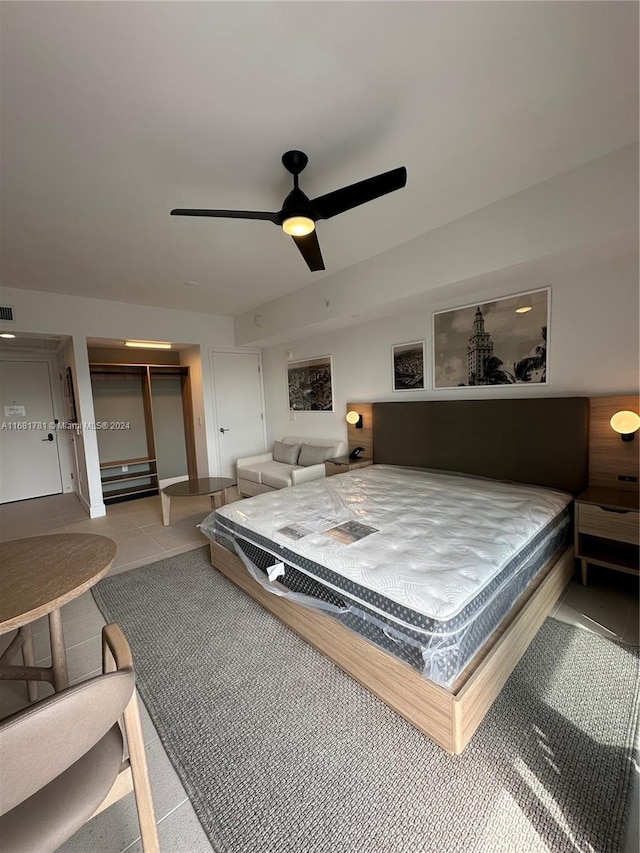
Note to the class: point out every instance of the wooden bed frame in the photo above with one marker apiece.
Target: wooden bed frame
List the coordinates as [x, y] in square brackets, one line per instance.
[450, 716]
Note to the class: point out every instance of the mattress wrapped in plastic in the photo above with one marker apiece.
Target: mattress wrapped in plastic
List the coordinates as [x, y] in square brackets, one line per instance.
[424, 564]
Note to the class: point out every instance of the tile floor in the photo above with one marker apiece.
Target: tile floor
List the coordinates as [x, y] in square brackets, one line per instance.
[135, 526]
[609, 606]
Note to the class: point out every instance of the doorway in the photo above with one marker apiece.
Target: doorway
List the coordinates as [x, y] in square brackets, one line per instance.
[29, 453]
[149, 436]
[237, 395]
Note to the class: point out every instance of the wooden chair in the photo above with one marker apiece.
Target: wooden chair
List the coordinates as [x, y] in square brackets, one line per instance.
[62, 758]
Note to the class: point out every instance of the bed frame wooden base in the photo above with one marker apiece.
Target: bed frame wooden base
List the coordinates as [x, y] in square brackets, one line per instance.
[449, 716]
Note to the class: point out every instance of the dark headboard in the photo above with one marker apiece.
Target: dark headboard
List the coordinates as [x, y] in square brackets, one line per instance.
[543, 440]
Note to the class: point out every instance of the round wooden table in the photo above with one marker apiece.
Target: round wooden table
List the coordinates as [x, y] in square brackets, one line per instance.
[214, 486]
[37, 576]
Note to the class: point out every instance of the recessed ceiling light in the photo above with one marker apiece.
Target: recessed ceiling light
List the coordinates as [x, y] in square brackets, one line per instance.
[147, 344]
[523, 309]
[7, 335]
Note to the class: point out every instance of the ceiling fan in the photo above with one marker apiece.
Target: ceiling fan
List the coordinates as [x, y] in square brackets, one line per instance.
[299, 214]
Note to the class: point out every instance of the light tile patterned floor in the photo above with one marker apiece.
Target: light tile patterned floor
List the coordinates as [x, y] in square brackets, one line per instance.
[609, 605]
[135, 526]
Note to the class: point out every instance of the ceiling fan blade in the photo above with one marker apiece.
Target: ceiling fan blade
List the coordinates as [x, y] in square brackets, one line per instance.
[227, 214]
[310, 251]
[346, 198]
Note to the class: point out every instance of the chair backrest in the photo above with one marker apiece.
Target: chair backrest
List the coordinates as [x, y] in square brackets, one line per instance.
[39, 743]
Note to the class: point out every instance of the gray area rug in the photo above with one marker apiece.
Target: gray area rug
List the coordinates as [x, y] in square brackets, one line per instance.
[280, 751]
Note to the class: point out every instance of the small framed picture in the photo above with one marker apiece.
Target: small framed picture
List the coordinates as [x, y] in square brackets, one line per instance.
[408, 366]
[310, 385]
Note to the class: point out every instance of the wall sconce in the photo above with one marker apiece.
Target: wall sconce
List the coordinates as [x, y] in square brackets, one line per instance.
[355, 419]
[625, 423]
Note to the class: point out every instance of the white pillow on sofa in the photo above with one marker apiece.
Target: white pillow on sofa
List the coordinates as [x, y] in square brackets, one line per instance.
[287, 453]
[311, 454]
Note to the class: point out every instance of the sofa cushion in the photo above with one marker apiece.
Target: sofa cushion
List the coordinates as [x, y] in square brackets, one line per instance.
[311, 454]
[256, 472]
[251, 472]
[339, 447]
[287, 453]
[277, 474]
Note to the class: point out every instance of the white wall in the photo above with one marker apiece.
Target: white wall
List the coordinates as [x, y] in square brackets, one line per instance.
[74, 439]
[80, 318]
[192, 358]
[506, 248]
[595, 202]
[168, 427]
[593, 347]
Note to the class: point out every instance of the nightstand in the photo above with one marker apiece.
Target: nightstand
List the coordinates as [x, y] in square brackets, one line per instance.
[342, 464]
[606, 528]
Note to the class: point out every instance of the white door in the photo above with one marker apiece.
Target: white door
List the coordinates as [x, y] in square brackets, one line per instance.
[29, 462]
[237, 395]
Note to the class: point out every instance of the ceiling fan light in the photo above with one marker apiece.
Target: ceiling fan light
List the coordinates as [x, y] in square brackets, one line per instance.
[298, 226]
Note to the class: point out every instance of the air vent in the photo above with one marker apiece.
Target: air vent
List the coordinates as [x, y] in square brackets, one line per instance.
[6, 314]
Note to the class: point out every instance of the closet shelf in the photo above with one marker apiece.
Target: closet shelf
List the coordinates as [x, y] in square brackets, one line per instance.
[130, 475]
[132, 490]
[119, 462]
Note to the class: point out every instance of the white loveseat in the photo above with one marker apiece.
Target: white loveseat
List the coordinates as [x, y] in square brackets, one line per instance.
[263, 473]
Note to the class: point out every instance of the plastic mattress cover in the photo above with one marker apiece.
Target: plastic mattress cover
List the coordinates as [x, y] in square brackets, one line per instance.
[424, 557]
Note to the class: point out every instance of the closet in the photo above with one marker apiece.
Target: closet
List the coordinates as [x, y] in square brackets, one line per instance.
[144, 427]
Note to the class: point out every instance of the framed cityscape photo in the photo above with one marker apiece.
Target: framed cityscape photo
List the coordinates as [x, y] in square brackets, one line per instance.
[408, 366]
[310, 385]
[501, 342]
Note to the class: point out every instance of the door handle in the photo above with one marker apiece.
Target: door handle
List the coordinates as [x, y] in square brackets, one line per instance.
[222, 429]
[49, 437]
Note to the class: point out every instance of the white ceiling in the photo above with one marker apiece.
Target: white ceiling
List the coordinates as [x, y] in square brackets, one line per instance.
[113, 113]
[26, 342]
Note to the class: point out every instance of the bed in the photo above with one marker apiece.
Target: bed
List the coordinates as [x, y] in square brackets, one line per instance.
[426, 584]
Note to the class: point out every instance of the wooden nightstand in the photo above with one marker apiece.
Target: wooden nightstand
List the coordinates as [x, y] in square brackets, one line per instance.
[342, 464]
[606, 528]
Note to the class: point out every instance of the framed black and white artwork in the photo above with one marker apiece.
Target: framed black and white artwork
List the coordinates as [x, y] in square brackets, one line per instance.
[498, 342]
[310, 385]
[408, 366]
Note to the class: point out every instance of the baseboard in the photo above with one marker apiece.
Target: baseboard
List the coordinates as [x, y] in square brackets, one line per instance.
[94, 510]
